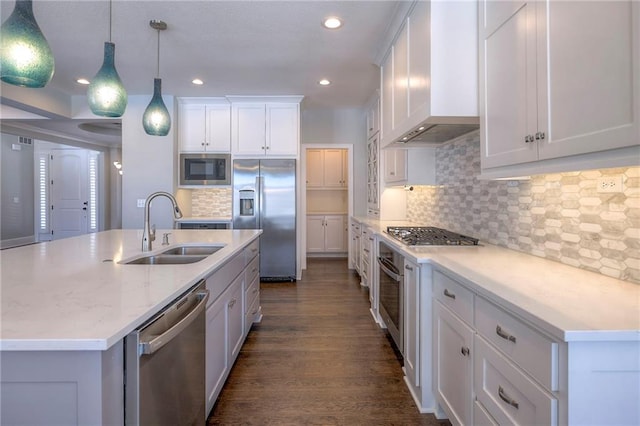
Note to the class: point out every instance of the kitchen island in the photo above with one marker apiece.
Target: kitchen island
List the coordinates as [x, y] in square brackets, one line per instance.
[66, 306]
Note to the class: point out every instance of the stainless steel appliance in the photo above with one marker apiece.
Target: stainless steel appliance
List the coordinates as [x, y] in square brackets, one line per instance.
[164, 365]
[264, 197]
[429, 236]
[205, 169]
[391, 264]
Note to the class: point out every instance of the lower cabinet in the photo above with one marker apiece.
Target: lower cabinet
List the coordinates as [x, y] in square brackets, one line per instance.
[354, 245]
[231, 310]
[326, 234]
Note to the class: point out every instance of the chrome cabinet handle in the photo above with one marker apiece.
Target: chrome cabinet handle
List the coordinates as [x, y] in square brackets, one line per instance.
[504, 335]
[232, 303]
[255, 290]
[365, 250]
[539, 135]
[506, 398]
[464, 351]
[451, 295]
[408, 268]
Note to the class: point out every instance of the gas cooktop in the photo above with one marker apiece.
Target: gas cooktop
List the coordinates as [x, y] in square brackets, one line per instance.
[429, 236]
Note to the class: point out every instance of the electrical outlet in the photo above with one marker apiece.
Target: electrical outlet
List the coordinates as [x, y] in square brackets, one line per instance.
[141, 203]
[610, 183]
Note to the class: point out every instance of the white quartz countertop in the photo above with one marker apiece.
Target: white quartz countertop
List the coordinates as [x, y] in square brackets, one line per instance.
[204, 219]
[569, 303]
[74, 294]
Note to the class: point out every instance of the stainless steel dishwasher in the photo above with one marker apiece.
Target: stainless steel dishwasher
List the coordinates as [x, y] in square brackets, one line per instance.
[164, 364]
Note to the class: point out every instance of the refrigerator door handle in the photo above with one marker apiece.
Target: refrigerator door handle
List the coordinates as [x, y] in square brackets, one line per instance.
[259, 192]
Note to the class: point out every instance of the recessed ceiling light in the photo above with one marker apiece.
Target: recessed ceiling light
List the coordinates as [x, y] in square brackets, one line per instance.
[83, 81]
[197, 82]
[324, 82]
[332, 23]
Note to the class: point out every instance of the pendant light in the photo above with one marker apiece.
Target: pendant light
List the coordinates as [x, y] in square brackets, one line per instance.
[156, 119]
[25, 56]
[106, 94]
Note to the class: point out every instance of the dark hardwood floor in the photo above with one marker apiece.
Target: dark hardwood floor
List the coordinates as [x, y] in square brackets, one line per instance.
[317, 358]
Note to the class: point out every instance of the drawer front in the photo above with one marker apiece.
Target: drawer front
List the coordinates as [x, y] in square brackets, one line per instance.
[251, 294]
[250, 315]
[454, 296]
[481, 417]
[529, 349]
[252, 271]
[252, 250]
[508, 394]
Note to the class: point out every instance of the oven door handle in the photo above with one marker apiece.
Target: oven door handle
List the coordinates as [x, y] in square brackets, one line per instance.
[389, 268]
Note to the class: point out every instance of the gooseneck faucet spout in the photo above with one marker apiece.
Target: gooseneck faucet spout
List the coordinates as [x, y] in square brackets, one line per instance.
[149, 233]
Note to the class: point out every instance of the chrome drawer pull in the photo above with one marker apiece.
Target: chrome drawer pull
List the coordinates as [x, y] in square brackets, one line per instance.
[451, 295]
[408, 268]
[464, 351]
[506, 398]
[504, 335]
[232, 303]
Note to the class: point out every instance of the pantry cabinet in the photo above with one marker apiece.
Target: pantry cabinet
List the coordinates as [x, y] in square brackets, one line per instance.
[558, 80]
[204, 125]
[265, 128]
[327, 168]
[326, 234]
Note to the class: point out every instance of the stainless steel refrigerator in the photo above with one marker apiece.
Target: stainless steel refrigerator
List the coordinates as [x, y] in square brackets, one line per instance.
[264, 197]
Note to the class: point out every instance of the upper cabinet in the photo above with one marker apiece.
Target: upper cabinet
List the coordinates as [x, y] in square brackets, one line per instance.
[429, 74]
[204, 125]
[373, 117]
[265, 127]
[558, 81]
[327, 168]
[410, 166]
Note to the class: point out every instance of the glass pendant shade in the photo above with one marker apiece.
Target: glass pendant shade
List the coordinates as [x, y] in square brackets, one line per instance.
[25, 56]
[156, 119]
[106, 94]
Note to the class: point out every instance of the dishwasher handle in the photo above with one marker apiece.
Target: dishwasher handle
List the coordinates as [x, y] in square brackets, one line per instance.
[153, 345]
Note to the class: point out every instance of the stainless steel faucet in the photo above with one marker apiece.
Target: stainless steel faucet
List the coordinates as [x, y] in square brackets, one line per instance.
[149, 233]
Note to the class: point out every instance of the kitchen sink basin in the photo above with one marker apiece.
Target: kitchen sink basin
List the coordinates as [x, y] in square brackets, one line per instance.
[167, 259]
[192, 250]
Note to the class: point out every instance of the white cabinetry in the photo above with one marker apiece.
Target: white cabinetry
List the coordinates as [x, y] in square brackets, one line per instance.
[327, 168]
[354, 245]
[326, 234]
[410, 166]
[558, 79]
[227, 317]
[373, 167]
[430, 72]
[265, 128]
[373, 117]
[204, 125]
[412, 322]
[367, 259]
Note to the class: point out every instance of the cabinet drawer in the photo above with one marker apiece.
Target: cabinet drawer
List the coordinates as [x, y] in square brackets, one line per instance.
[481, 417]
[454, 296]
[250, 315]
[251, 293]
[252, 250]
[509, 395]
[252, 271]
[529, 349]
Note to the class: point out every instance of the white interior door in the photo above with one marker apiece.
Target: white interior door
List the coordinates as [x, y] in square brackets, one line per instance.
[69, 193]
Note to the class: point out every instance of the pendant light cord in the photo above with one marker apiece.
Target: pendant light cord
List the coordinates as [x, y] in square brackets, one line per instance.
[110, 7]
[158, 63]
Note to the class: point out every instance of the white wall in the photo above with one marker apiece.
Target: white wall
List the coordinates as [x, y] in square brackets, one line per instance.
[341, 126]
[149, 165]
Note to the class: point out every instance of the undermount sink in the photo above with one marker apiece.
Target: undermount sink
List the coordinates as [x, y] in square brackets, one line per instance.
[192, 250]
[166, 259]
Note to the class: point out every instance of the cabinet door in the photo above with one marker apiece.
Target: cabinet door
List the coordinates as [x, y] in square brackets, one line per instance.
[216, 347]
[236, 316]
[372, 174]
[282, 129]
[334, 233]
[248, 129]
[395, 168]
[411, 322]
[218, 128]
[192, 128]
[401, 79]
[315, 234]
[334, 168]
[586, 76]
[386, 98]
[419, 57]
[453, 365]
[315, 168]
[508, 110]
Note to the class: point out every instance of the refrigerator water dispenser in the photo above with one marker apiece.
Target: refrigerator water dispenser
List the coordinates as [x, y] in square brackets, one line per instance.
[247, 201]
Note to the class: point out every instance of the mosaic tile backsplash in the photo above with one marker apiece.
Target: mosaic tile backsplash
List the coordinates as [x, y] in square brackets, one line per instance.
[560, 216]
[211, 202]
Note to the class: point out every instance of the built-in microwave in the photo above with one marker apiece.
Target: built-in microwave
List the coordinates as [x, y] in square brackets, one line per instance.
[205, 169]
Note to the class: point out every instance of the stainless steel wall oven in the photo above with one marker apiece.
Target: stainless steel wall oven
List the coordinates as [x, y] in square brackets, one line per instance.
[390, 265]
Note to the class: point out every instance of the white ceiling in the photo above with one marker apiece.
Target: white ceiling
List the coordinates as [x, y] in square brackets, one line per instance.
[237, 47]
